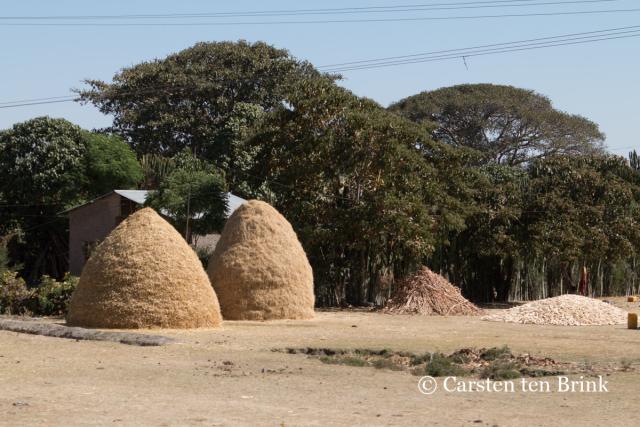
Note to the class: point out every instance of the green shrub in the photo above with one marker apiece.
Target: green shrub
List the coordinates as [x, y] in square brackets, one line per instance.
[387, 364]
[53, 296]
[442, 366]
[495, 353]
[14, 295]
[500, 370]
[49, 298]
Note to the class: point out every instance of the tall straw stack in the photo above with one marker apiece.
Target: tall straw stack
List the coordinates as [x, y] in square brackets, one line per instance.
[144, 275]
[259, 269]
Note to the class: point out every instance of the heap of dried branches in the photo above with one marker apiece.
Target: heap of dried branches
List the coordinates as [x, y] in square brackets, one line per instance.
[427, 293]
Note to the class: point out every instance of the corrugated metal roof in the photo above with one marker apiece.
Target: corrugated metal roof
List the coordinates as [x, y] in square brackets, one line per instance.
[140, 196]
[234, 202]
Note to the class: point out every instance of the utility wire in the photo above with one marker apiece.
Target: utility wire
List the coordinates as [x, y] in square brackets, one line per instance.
[440, 55]
[324, 21]
[336, 65]
[20, 101]
[327, 11]
[483, 52]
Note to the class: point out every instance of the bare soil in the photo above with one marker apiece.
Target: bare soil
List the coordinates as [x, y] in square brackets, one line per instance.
[231, 376]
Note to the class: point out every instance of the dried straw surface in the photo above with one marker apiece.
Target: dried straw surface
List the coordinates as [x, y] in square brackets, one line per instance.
[565, 310]
[428, 293]
[144, 275]
[259, 268]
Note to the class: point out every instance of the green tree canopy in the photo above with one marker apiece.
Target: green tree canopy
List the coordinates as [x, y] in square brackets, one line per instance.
[507, 125]
[49, 165]
[110, 164]
[195, 98]
[192, 196]
[348, 176]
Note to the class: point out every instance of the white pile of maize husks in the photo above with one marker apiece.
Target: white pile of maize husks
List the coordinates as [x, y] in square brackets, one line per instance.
[566, 310]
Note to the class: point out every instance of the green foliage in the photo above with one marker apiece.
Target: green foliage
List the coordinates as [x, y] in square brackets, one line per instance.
[346, 174]
[495, 353]
[634, 161]
[507, 125]
[193, 99]
[387, 364]
[442, 366]
[41, 162]
[501, 370]
[49, 165]
[14, 295]
[192, 196]
[42, 165]
[53, 297]
[111, 164]
[49, 298]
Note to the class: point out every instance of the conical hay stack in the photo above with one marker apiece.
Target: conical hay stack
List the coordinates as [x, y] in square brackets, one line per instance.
[428, 293]
[144, 275]
[259, 268]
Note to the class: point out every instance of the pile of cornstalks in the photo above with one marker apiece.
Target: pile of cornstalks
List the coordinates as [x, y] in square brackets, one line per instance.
[427, 293]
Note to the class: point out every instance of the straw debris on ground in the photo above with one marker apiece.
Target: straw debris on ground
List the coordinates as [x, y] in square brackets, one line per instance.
[428, 293]
[144, 275]
[564, 310]
[259, 268]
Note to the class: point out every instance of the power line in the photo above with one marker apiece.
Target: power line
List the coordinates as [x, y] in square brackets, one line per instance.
[610, 30]
[440, 55]
[326, 21]
[483, 52]
[325, 11]
[19, 101]
[36, 103]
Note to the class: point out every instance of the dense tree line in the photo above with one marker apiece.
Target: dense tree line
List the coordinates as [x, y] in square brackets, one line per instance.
[489, 185]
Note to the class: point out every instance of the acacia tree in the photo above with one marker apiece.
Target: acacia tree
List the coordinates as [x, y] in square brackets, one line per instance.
[507, 125]
[49, 165]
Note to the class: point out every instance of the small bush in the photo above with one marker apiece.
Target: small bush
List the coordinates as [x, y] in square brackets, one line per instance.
[49, 298]
[14, 295]
[441, 366]
[500, 370]
[495, 353]
[53, 296]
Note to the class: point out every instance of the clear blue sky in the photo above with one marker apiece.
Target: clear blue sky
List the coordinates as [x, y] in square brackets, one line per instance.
[599, 81]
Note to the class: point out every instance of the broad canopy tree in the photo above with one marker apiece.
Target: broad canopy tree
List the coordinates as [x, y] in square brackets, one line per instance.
[507, 125]
[49, 165]
[347, 175]
[201, 98]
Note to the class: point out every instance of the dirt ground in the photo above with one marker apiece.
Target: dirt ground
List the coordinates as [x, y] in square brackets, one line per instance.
[231, 376]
